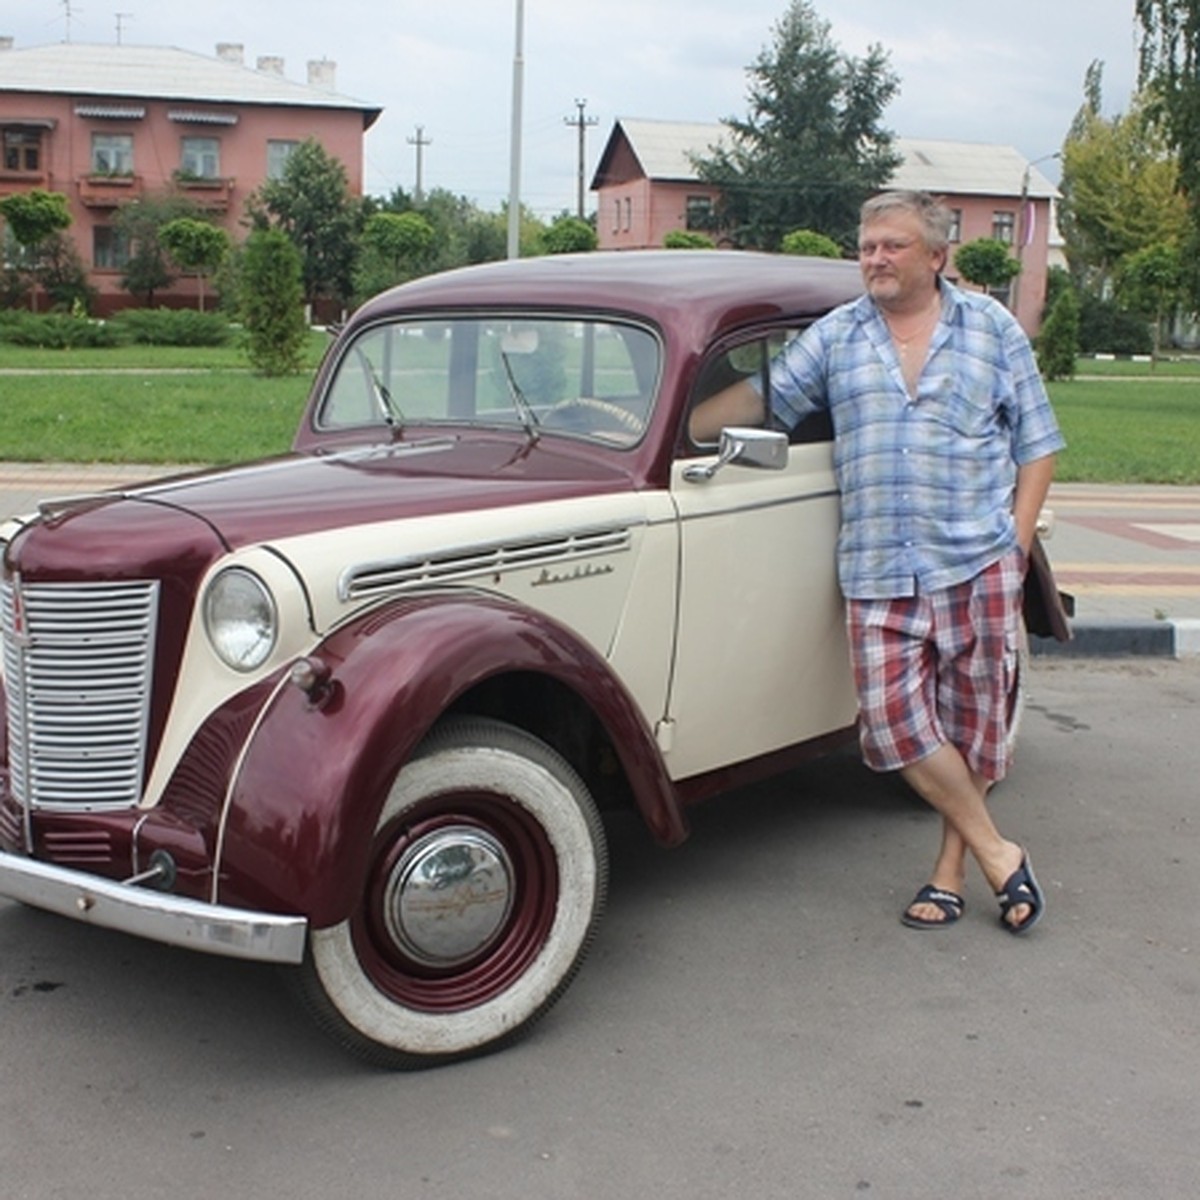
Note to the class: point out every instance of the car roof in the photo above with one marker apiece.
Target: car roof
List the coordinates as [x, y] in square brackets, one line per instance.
[708, 290]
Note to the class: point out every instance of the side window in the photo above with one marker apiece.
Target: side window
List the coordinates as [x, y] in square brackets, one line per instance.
[751, 361]
[745, 363]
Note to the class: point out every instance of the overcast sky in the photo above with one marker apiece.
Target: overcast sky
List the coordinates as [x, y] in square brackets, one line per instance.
[970, 70]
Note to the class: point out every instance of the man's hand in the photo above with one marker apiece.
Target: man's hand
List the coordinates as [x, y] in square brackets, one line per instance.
[738, 404]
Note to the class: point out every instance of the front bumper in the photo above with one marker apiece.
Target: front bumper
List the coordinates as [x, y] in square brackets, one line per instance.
[161, 917]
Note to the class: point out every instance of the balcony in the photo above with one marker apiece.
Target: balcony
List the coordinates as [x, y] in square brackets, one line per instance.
[108, 191]
[208, 192]
[12, 182]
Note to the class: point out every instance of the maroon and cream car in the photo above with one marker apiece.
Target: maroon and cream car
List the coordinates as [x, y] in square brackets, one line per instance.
[358, 709]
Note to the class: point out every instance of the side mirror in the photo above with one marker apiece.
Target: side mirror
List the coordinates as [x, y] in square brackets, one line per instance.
[766, 449]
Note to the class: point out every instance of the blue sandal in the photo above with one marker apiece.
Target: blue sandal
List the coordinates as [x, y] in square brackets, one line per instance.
[1021, 888]
[950, 903]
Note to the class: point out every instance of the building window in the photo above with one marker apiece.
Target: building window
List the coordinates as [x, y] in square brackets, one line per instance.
[200, 158]
[1004, 226]
[112, 154]
[278, 152]
[12, 254]
[110, 249]
[699, 212]
[616, 216]
[22, 150]
[628, 214]
[1003, 294]
[955, 226]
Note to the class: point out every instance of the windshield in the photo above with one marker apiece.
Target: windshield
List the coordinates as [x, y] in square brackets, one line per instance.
[581, 377]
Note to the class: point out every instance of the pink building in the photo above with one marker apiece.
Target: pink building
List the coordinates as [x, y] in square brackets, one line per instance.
[107, 124]
[647, 187]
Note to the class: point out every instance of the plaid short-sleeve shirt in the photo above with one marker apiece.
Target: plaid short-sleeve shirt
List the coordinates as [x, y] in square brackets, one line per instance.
[927, 481]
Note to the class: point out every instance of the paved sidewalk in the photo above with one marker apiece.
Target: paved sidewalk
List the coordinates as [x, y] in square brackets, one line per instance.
[1129, 554]
[1131, 557]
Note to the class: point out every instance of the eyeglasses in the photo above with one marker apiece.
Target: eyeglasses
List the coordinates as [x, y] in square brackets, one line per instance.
[887, 246]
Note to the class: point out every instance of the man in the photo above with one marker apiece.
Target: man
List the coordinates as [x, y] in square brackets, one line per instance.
[945, 448]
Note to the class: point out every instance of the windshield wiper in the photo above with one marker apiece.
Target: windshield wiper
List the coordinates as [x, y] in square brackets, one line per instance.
[520, 403]
[388, 408]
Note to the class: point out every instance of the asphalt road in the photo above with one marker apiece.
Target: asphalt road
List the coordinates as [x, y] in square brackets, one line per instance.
[753, 1021]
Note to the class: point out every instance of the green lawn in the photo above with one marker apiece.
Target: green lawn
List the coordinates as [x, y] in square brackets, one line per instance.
[154, 358]
[1129, 430]
[203, 417]
[146, 404]
[154, 405]
[1165, 368]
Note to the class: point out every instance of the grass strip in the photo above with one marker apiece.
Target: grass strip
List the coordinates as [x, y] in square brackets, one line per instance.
[1132, 426]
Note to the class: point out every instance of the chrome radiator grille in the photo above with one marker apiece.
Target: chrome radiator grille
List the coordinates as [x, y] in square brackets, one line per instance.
[78, 660]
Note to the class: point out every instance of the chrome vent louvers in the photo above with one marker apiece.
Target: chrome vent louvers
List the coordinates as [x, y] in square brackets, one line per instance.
[477, 562]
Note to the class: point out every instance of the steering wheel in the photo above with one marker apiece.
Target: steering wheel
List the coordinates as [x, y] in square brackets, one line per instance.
[572, 410]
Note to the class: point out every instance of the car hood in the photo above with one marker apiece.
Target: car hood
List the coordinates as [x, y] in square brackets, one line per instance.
[300, 494]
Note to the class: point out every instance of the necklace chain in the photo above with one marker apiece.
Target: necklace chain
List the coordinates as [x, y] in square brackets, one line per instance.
[924, 325]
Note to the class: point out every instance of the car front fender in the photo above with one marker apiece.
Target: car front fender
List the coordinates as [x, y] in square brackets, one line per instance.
[307, 794]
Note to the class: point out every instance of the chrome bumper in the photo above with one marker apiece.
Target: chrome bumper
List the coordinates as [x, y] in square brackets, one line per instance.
[159, 916]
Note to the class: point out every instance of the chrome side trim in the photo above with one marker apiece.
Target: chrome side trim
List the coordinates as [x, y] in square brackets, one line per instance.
[158, 916]
[473, 562]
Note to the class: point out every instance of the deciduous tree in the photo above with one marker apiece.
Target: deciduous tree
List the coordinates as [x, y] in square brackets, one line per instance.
[1119, 188]
[808, 241]
[395, 246]
[987, 263]
[1151, 282]
[311, 203]
[569, 235]
[197, 246]
[33, 218]
[148, 269]
[1170, 67]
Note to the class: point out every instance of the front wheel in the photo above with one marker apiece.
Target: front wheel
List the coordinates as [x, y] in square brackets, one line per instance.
[486, 882]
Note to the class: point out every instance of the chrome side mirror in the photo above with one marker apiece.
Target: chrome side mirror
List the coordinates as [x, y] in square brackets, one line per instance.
[766, 449]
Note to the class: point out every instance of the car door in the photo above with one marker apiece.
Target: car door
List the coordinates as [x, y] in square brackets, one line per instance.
[760, 659]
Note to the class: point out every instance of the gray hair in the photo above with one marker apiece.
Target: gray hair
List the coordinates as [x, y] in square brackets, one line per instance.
[936, 219]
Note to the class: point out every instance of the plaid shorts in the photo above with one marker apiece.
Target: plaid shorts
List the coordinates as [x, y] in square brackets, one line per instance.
[939, 668]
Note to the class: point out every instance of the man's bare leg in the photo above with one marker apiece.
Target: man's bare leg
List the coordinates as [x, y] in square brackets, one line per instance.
[944, 781]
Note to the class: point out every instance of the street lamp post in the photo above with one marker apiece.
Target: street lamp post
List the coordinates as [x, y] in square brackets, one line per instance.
[1025, 224]
[514, 162]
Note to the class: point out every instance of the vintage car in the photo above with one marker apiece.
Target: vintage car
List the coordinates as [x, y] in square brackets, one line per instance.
[358, 709]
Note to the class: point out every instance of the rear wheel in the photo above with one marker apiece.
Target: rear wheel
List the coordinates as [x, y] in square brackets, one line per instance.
[485, 885]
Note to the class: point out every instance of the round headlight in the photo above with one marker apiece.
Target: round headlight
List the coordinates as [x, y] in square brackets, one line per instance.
[239, 615]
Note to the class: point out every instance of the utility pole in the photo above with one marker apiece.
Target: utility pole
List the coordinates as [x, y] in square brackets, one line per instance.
[122, 17]
[420, 141]
[69, 12]
[581, 123]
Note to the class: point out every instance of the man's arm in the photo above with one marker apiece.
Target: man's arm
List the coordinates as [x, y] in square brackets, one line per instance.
[739, 404]
[1033, 483]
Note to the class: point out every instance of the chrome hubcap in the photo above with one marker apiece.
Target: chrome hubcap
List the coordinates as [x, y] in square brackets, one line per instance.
[449, 896]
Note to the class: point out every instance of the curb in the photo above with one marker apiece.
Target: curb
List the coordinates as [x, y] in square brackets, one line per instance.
[1117, 638]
